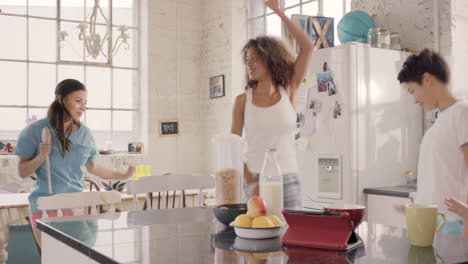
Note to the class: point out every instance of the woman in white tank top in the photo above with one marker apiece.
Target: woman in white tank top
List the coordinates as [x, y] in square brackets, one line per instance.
[267, 109]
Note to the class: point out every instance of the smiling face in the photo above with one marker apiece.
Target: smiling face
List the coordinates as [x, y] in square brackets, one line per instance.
[423, 93]
[75, 103]
[255, 66]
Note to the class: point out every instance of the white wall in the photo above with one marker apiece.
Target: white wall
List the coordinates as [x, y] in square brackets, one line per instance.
[224, 34]
[459, 47]
[413, 19]
[190, 41]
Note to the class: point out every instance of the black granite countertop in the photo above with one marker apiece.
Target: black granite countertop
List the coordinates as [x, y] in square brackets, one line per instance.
[192, 235]
[397, 191]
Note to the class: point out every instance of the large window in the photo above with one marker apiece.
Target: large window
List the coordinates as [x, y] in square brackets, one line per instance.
[262, 21]
[40, 46]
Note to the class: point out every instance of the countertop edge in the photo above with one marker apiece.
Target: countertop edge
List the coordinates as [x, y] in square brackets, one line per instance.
[73, 243]
[376, 191]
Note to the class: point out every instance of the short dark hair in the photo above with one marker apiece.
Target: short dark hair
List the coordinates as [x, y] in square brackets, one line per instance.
[426, 61]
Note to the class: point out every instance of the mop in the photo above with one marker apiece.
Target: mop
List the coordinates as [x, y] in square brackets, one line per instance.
[46, 138]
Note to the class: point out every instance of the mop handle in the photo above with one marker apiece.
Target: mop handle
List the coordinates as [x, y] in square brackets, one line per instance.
[46, 138]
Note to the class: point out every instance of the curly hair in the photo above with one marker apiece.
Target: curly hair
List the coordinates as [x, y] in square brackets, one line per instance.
[276, 56]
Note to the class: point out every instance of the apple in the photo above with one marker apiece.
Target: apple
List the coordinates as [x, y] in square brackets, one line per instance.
[256, 206]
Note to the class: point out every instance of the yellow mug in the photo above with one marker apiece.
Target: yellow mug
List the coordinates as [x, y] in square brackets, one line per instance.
[423, 255]
[421, 221]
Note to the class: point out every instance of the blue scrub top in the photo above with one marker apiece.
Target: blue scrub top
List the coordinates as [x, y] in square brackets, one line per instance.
[67, 173]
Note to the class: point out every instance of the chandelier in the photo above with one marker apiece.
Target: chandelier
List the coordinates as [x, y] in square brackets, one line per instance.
[94, 43]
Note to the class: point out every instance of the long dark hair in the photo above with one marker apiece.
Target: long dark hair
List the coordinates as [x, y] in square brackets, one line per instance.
[58, 114]
[277, 57]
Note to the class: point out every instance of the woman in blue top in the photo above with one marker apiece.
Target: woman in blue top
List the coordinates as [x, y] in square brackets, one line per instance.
[70, 147]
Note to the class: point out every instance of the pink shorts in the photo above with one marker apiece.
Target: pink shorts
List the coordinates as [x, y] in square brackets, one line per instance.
[35, 216]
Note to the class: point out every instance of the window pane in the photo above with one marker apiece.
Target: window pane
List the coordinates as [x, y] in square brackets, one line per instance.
[273, 25]
[256, 8]
[13, 6]
[42, 37]
[126, 53]
[99, 121]
[13, 120]
[100, 58]
[71, 48]
[290, 2]
[292, 11]
[123, 120]
[103, 6]
[72, 10]
[43, 8]
[123, 129]
[15, 29]
[70, 72]
[310, 9]
[124, 85]
[98, 83]
[13, 84]
[256, 27]
[334, 8]
[123, 12]
[268, 10]
[42, 84]
[40, 113]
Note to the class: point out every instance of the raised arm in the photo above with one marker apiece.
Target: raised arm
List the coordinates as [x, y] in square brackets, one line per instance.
[106, 173]
[302, 63]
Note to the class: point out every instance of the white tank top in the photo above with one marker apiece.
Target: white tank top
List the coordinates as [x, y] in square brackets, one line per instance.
[270, 127]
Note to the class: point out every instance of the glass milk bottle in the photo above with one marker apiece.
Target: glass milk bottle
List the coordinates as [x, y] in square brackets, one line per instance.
[271, 183]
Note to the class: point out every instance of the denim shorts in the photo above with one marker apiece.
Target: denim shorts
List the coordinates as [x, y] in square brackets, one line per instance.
[451, 228]
[292, 196]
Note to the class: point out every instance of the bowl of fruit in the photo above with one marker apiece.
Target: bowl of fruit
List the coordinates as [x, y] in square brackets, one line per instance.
[256, 223]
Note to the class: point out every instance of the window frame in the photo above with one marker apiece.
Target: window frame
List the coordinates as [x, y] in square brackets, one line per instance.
[135, 41]
[346, 8]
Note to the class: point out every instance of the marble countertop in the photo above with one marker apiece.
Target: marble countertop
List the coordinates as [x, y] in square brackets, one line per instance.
[397, 191]
[192, 235]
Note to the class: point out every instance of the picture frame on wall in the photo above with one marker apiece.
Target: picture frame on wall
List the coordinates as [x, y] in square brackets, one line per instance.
[168, 128]
[217, 86]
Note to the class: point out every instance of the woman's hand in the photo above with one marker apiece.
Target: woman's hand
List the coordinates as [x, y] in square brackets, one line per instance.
[273, 5]
[253, 189]
[44, 149]
[130, 172]
[457, 207]
[399, 208]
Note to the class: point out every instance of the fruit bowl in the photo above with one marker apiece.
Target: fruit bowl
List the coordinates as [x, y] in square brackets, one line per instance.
[226, 213]
[257, 233]
[355, 211]
[257, 246]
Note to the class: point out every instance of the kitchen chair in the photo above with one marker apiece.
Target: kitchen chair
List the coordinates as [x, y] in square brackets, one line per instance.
[93, 200]
[78, 200]
[166, 184]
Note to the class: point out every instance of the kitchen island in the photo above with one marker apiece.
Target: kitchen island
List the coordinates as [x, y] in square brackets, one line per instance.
[192, 235]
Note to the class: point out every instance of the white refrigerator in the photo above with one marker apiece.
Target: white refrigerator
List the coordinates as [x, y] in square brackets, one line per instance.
[371, 141]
